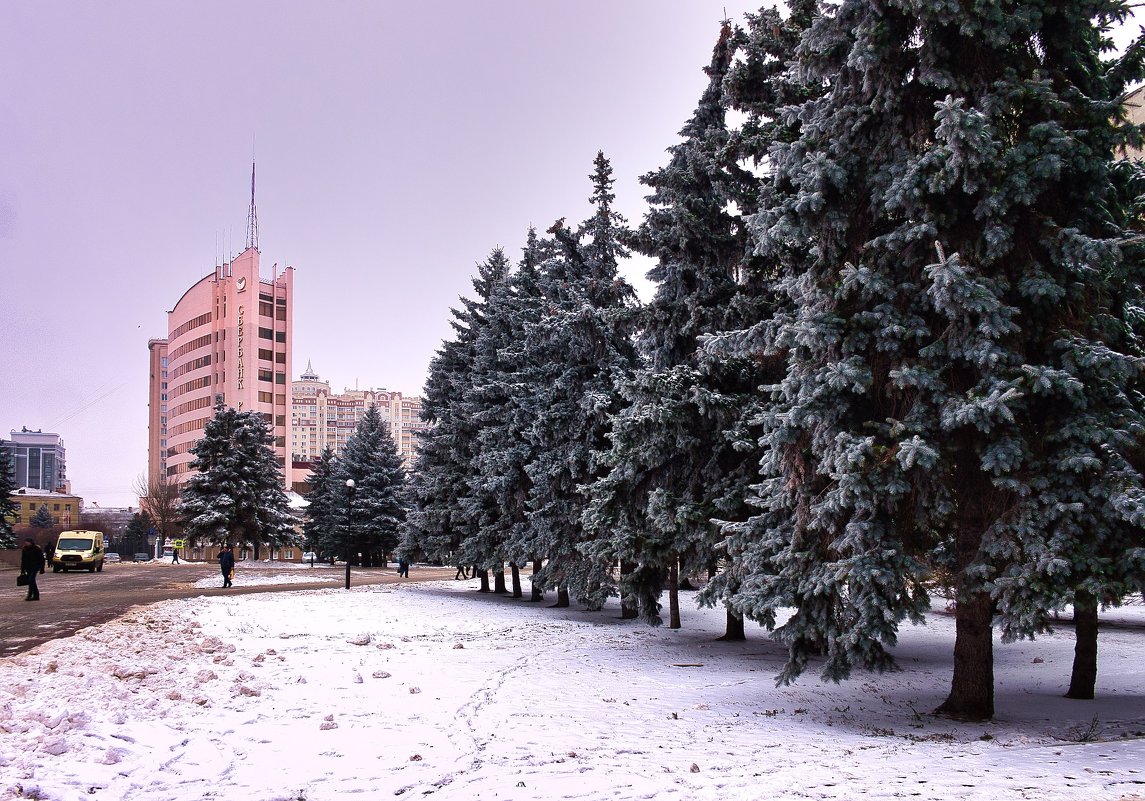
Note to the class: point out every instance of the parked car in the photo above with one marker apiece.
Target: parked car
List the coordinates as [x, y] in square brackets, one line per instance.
[142, 557]
[310, 557]
[111, 557]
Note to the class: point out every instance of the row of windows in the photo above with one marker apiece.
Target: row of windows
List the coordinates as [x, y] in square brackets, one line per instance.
[194, 364]
[267, 355]
[194, 344]
[196, 383]
[202, 319]
[271, 377]
[190, 406]
[183, 428]
[175, 450]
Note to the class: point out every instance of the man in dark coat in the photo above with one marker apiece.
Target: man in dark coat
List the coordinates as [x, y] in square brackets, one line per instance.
[31, 564]
[227, 564]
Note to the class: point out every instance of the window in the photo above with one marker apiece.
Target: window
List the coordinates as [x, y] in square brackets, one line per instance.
[265, 375]
[265, 333]
[280, 420]
[265, 309]
[266, 397]
[280, 358]
[279, 336]
[279, 378]
[281, 315]
[280, 400]
[280, 442]
[266, 354]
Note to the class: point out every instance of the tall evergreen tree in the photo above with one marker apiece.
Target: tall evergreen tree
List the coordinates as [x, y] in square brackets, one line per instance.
[324, 506]
[236, 495]
[370, 527]
[8, 507]
[673, 463]
[944, 406]
[494, 499]
[582, 349]
[135, 533]
[439, 524]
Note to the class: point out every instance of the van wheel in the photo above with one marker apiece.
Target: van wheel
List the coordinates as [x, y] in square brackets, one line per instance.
[55, 568]
[91, 569]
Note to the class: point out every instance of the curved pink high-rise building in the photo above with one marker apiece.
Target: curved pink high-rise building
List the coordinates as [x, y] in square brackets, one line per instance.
[229, 336]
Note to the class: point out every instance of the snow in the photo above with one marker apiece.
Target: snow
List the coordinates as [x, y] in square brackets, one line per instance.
[432, 689]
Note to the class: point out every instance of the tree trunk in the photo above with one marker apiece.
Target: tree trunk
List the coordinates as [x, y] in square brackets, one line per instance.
[484, 576]
[733, 629]
[1084, 676]
[516, 579]
[499, 581]
[535, 593]
[628, 610]
[972, 688]
[674, 595]
[562, 598]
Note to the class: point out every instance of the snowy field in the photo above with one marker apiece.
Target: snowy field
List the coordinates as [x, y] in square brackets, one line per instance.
[434, 690]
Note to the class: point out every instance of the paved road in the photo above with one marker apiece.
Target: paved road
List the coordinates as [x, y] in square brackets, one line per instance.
[72, 601]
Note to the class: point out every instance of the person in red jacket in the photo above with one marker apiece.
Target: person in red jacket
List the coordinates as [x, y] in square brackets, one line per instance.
[31, 564]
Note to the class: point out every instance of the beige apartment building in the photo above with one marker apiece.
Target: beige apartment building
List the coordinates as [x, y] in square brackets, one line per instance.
[320, 418]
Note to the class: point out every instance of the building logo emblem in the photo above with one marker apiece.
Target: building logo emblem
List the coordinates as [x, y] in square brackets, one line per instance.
[240, 284]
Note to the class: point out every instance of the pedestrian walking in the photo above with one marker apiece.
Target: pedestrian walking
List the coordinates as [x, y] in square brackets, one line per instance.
[227, 565]
[403, 566]
[31, 565]
[462, 573]
[174, 556]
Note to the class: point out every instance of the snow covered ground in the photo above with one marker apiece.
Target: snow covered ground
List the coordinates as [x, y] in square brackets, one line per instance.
[435, 690]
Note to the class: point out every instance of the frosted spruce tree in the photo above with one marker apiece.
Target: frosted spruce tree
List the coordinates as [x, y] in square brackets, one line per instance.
[437, 526]
[581, 351]
[325, 501]
[367, 530]
[502, 389]
[673, 465]
[8, 507]
[961, 380]
[235, 495]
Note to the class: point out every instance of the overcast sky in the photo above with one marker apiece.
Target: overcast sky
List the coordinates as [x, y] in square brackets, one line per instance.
[397, 144]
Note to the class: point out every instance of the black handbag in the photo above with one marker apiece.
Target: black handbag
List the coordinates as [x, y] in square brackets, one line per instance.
[21, 580]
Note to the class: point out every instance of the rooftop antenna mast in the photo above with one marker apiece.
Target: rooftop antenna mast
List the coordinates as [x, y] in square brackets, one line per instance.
[252, 216]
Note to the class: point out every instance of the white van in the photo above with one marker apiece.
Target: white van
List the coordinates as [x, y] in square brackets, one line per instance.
[78, 550]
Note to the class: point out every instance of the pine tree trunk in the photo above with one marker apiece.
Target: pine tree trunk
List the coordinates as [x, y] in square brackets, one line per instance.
[674, 595]
[484, 576]
[562, 598]
[628, 610]
[1084, 676]
[535, 593]
[972, 688]
[733, 629]
[516, 579]
[499, 581]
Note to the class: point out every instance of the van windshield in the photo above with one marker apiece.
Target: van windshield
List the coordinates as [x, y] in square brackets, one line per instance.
[74, 545]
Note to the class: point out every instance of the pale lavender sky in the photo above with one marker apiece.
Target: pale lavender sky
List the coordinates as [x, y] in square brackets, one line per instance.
[397, 144]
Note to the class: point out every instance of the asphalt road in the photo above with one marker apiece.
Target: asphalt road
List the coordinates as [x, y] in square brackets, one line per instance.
[73, 601]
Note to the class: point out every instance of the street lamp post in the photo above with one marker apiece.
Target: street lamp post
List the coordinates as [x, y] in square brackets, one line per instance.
[349, 519]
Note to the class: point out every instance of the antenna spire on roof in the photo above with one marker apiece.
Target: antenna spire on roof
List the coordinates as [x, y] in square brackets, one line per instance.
[252, 216]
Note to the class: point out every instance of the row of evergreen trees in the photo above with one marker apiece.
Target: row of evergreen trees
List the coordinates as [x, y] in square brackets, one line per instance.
[895, 342]
[356, 502]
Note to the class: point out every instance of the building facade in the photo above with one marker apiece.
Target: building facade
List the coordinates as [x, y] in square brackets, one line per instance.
[321, 419]
[38, 460]
[65, 508]
[229, 337]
